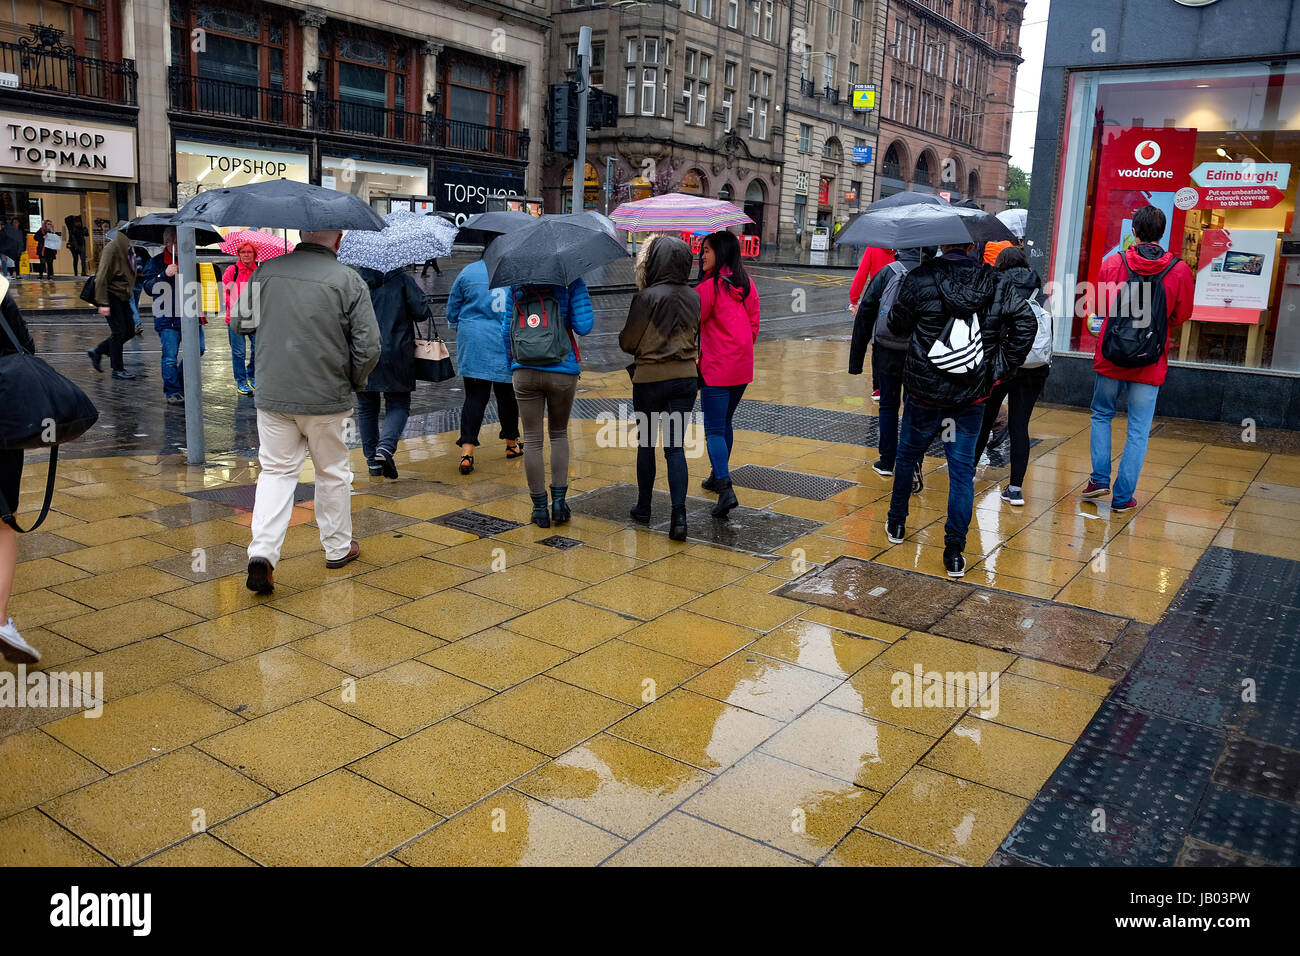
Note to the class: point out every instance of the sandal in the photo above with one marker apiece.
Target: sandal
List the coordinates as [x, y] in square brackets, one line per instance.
[515, 451]
[466, 464]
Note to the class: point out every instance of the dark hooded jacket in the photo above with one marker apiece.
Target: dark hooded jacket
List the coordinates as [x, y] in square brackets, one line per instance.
[399, 303]
[954, 286]
[865, 321]
[663, 322]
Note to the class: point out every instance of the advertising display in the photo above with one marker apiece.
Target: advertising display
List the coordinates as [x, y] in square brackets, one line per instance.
[466, 191]
[1235, 270]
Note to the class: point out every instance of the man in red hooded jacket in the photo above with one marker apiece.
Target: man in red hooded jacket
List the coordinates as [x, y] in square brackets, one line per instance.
[1145, 258]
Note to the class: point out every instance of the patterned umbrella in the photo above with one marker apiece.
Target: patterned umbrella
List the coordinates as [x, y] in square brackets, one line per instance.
[268, 246]
[407, 238]
[677, 212]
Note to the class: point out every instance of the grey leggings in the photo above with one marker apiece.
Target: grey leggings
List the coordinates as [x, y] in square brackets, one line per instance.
[546, 395]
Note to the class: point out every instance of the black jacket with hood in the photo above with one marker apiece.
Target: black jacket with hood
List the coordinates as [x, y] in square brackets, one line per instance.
[399, 303]
[865, 321]
[955, 285]
[663, 322]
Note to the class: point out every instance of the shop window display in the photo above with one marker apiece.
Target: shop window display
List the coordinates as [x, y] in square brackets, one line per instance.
[1217, 148]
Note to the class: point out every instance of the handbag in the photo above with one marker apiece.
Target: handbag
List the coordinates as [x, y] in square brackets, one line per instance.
[432, 359]
[39, 408]
[88, 292]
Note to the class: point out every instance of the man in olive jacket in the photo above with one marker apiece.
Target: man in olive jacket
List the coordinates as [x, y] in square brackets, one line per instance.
[114, 286]
[317, 342]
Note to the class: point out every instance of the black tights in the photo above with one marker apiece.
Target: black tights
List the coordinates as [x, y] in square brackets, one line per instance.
[1023, 390]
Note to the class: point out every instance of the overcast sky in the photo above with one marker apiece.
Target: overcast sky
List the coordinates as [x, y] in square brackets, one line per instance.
[1033, 37]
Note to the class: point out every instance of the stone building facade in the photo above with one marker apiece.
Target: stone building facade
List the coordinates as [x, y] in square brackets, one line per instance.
[948, 98]
[829, 149]
[700, 87]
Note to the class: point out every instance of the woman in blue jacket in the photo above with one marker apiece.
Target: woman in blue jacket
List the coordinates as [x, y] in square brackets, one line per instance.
[546, 392]
[474, 311]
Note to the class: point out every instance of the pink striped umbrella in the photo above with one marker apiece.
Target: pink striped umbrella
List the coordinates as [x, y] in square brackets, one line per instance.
[677, 212]
[268, 246]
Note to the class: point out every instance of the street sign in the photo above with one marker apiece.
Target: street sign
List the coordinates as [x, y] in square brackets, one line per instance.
[946, 196]
[864, 98]
[9, 81]
[862, 154]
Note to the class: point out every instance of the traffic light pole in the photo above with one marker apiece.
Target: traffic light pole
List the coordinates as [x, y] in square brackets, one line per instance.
[187, 281]
[584, 84]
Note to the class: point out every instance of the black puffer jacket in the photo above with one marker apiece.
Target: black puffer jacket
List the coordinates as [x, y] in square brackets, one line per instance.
[955, 285]
[399, 303]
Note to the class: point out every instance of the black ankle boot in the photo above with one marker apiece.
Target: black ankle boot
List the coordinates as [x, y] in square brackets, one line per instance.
[640, 514]
[710, 483]
[677, 526]
[541, 514]
[559, 510]
[726, 498]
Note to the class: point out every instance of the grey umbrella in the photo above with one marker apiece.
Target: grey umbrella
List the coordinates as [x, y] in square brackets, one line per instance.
[149, 230]
[482, 227]
[908, 225]
[281, 204]
[591, 219]
[551, 251]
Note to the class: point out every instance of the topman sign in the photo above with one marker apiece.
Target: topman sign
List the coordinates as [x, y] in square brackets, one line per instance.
[53, 147]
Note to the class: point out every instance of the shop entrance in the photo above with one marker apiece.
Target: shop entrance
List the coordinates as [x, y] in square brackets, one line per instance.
[33, 207]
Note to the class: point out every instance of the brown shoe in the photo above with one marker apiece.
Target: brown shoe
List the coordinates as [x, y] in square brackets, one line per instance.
[353, 553]
[260, 577]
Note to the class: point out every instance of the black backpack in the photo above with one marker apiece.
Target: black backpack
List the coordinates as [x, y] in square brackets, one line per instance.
[1138, 328]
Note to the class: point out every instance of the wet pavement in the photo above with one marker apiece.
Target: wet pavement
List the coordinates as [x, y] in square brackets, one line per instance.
[477, 690]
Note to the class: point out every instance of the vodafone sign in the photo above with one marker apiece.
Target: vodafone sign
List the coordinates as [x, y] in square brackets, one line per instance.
[1147, 152]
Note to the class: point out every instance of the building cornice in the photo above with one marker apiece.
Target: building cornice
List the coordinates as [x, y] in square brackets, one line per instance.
[918, 8]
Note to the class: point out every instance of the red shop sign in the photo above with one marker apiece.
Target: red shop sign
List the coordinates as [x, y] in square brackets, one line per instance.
[824, 193]
[1230, 197]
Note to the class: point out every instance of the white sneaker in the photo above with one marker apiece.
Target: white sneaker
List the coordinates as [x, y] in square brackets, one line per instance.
[14, 648]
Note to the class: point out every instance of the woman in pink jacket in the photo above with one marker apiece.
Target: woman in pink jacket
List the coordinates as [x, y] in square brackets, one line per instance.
[728, 328]
[233, 280]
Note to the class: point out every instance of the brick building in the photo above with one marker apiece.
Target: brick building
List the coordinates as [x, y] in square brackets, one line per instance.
[948, 96]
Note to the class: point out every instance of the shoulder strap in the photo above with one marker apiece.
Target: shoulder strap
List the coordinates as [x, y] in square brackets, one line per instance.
[1169, 268]
[18, 346]
[6, 512]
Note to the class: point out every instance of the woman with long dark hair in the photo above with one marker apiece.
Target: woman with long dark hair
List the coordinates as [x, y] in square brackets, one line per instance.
[728, 328]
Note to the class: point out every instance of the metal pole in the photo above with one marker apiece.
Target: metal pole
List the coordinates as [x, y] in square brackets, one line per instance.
[584, 76]
[187, 280]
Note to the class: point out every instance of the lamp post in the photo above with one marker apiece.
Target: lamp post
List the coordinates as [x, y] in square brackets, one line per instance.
[584, 77]
[190, 310]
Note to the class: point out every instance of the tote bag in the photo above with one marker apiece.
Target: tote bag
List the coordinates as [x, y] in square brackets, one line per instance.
[432, 359]
[39, 408]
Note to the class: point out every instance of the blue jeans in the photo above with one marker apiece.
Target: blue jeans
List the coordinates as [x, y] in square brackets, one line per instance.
[238, 349]
[1141, 409]
[173, 375]
[921, 422]
[397, 407]
[718, 403]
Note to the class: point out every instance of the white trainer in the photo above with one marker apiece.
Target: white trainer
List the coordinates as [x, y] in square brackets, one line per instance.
[14, 648]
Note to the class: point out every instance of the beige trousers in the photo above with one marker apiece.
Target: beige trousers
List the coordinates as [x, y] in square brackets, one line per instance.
[285, 441]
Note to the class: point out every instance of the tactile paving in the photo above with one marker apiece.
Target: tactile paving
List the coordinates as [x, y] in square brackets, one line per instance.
[1163, 740]
[1250, 824]
[1155, 793]
[1063, 829]
[1274, 714]
[476, 523]
[798, 484]
[1261, 769]
[1179, 681]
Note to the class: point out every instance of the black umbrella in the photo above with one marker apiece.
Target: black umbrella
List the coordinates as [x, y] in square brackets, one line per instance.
[861, 235]
[549, 252]
[907, 225]
[591, 219]
[150, 229]
[281, 204]
[481, 228]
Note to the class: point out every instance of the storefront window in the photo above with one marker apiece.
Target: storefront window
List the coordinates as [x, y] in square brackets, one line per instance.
[202, 166]
[373, 182]
[1217, 148]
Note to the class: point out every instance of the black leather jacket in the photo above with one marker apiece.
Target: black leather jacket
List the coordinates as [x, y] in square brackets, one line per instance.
[957, 285]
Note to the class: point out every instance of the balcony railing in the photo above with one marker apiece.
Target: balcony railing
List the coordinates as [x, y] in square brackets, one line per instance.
[45, 65]
[308, 111]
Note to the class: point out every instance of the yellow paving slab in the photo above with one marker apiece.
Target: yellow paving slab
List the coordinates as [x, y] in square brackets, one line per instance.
[452, 614]
[36, 767]
[405, 697]
[764, 685]
[572, 626]
[1048, 710]
[31, 838]
[367, 645]
[861, 848]
[697, 730]
[265, 682]
[244, 633]
[625, 672]
[496, 658]
[546, 714]
[862, 751]
[200, 850]
[683, 840]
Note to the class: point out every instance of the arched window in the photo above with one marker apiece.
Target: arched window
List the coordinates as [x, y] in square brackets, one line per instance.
[973, 186]
[922, 175]
[893, 168]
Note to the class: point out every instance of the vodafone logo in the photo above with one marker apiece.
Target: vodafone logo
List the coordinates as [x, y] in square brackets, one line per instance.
[1147, 152]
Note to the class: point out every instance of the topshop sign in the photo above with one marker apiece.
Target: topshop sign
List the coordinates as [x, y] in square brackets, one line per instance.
[43, 146]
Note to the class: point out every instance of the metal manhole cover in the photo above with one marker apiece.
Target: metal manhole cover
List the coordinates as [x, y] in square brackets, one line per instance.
[243, 496]
[798, 484]
[476, 522]
[559, 541]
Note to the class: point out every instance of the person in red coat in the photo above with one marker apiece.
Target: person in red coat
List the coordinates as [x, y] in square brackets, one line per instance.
[1145, 258]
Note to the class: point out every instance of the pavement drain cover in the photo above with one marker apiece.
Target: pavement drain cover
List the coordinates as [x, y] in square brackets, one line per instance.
[475, 522]
[561, 542]
[798, 484]
[243, 496]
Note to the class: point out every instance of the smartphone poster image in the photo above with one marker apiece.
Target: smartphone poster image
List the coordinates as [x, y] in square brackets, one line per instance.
[1236, 269]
